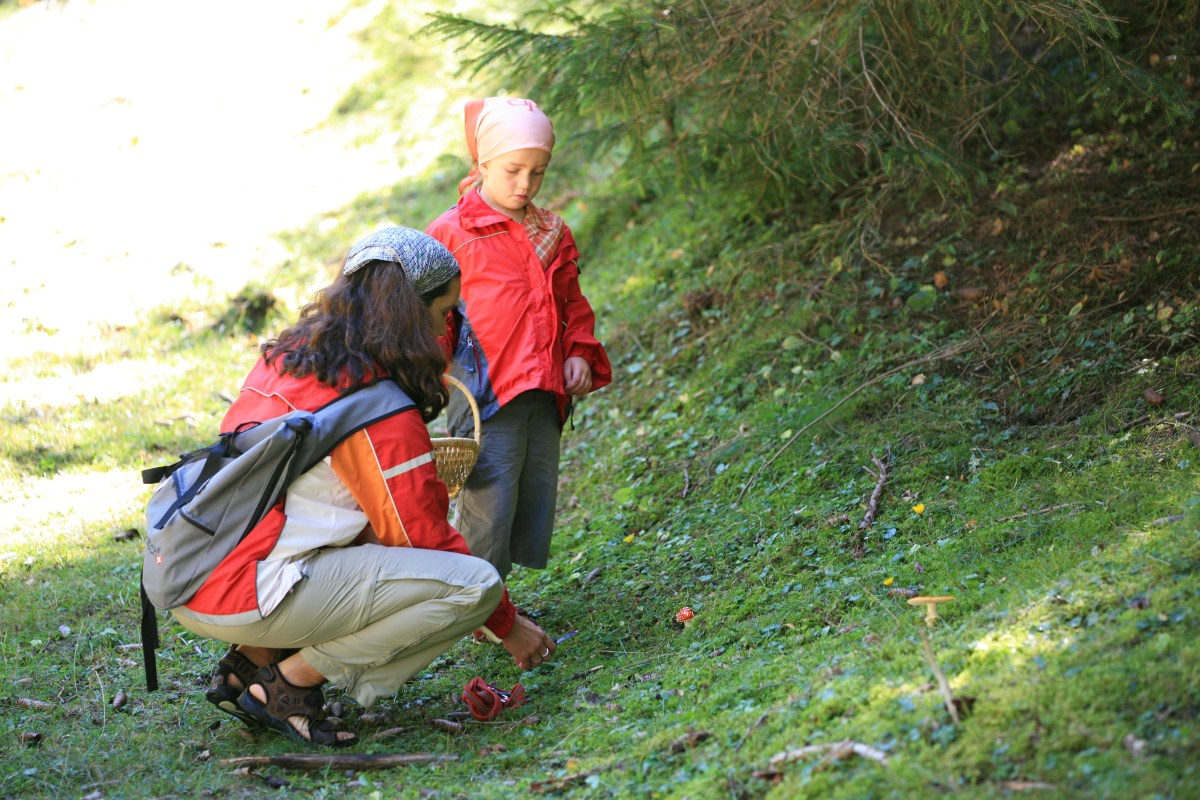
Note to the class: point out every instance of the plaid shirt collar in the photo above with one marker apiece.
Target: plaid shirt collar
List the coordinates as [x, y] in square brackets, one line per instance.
[545, 231]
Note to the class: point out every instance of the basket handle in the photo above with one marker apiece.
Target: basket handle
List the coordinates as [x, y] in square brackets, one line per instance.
[453, 381]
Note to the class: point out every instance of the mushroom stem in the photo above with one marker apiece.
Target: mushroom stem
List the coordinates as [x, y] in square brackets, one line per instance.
[941, 676]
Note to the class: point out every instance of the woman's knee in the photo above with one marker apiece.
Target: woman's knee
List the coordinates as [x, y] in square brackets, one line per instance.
[491, 585]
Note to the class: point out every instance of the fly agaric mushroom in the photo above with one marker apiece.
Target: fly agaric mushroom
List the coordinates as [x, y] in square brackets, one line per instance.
[931, 604]
[685, 616]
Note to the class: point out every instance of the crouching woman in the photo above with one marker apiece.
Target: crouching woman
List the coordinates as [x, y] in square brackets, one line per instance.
[355, 576]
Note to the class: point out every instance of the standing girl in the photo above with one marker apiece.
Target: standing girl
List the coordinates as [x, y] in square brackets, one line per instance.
[522, 334]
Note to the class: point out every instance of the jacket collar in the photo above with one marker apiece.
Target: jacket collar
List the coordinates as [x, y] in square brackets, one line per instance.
[474, 212]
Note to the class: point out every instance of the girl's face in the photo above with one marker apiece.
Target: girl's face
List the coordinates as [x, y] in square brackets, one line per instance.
[511, 180]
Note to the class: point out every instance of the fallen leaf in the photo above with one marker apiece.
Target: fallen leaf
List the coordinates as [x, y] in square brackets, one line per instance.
[1135, 746]
[688, 741]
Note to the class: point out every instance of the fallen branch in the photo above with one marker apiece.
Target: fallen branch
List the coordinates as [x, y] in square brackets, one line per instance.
[948, 351]
[1045, 510]
[873, 503]
[356, 761]
[832, 752]
[943, 684]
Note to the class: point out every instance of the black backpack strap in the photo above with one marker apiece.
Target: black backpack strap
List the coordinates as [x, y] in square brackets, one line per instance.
[212, 464]
[149, 639]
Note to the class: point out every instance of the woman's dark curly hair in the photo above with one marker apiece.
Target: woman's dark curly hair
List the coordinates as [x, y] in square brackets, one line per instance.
[369, 322]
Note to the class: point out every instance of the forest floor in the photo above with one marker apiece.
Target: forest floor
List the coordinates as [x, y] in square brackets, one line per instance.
[1001, 412]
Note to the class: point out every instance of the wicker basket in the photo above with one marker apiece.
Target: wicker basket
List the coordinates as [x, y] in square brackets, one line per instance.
[455, 456]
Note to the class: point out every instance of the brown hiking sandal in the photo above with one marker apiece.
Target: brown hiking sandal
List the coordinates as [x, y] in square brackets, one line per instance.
[222, 694]
[285, 703]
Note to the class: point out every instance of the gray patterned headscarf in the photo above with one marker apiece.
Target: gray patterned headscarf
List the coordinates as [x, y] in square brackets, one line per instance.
[426, 262]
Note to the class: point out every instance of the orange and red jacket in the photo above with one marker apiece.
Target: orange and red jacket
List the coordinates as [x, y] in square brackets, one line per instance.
[382, 479]
[516, 322]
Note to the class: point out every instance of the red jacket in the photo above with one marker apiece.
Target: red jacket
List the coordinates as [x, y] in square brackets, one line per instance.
[382, 478]
[520, 322]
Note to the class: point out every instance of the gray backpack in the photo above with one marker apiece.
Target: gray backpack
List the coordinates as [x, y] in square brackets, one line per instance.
[209, 500]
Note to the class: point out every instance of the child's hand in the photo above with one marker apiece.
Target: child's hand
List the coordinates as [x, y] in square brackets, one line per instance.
[577, 376]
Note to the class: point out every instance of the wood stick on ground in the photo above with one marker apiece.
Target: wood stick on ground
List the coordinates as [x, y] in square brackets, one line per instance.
[941, 676]
[357, 761]
[1045, 510]
[948, 351]
[873, 503]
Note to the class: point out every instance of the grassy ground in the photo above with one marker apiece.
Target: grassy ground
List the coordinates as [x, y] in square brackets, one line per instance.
[1027, 382]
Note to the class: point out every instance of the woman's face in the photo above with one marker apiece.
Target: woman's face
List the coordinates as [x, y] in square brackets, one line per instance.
[441, 305]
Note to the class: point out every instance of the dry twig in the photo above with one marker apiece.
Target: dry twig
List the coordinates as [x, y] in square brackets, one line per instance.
[873, 503]
[1045, 510]
[834, 751]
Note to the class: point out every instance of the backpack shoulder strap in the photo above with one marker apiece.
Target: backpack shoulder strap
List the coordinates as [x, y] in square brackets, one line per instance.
[337, 420]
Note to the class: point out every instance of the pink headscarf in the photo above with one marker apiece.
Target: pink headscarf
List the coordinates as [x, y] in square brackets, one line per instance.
[499, 125]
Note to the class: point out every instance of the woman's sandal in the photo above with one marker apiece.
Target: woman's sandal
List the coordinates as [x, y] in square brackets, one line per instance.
[284, 701]
[222, 694]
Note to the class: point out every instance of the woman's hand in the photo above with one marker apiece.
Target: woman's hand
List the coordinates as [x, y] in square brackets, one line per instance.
[528, 644]
[577, 376]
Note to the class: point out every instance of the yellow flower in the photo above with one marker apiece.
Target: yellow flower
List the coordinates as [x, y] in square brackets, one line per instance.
[628, 539]
[889, 581]
[919, 508]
